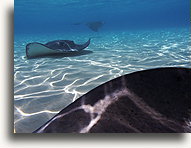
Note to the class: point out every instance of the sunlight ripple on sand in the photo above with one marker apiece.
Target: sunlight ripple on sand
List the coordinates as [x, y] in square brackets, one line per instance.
[44, 86]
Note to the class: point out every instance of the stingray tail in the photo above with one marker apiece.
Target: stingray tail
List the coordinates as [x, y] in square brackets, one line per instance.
[83, 46]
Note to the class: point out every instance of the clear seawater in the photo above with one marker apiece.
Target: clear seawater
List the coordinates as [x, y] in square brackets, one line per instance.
[137, 35]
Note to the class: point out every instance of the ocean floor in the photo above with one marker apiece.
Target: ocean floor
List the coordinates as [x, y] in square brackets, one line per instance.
[44, 86]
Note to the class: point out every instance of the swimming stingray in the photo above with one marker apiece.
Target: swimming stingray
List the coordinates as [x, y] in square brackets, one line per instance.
[150, 101]
[54, 47]
[95, 26]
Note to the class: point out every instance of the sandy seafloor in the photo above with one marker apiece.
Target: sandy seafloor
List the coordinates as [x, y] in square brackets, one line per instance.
[44, 86]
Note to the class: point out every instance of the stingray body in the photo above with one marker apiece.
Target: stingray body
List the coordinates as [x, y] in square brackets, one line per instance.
[150, 101]
[95, 26]
[54, 47]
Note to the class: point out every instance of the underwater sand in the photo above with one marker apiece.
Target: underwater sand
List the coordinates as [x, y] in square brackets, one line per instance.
[44, 86]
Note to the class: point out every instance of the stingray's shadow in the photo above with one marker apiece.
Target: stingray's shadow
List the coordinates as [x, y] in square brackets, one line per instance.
[71, 54]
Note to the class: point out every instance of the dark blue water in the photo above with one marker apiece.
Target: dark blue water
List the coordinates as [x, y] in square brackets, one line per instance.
[136, 35]
[44, 16]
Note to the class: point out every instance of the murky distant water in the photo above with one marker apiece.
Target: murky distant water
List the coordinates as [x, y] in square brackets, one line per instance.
[44, 86]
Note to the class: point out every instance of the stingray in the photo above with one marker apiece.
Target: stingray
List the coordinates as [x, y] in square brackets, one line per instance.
[36, 49]
[150, 101]
[95, 26]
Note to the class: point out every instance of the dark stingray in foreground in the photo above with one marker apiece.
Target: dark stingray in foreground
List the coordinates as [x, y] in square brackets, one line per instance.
[54, 47]
[149, 101]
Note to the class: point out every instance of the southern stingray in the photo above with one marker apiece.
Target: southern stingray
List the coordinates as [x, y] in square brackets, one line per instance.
[149, 101]
[58, 47]
[95, 26]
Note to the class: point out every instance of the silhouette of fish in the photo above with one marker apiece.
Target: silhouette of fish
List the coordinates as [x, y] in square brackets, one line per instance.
[95, 26]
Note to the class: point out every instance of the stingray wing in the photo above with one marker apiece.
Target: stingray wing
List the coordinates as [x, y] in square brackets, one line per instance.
[156, 100]
[37, 49]
[54, 47]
